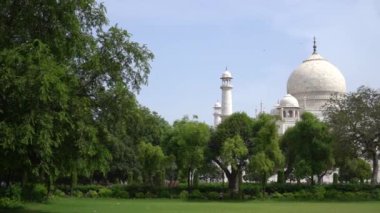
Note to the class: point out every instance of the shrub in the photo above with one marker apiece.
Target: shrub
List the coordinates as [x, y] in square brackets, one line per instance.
[288, 196]
[105, 192]
[92, 194]
[34, 192]
[376, 194]
[59, 193]
[7, 203]
[196, 195]
[140, 195]
[214, 196]
[184, 195]
[119, 193]
[77, 193]
[150, 195]
[13, 192]
[164, 194]
[276, 195]
[319, 192]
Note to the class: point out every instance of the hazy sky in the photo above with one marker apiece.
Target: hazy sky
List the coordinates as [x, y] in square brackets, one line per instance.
[261, 42]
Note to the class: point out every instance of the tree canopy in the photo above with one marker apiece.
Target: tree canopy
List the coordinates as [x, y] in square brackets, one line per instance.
[355, 121]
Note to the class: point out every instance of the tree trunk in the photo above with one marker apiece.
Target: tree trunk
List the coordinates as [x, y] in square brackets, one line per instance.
[74, 180]
[233, 184]
[375, 168]
[189, 179]
[320, 179]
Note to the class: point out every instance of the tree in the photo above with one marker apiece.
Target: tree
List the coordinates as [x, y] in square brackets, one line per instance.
[152, 161]
[240, 141]
[355, 121]
[68, 79]
[308, 148]
[187, 142]
[34, 98]
[354, 170]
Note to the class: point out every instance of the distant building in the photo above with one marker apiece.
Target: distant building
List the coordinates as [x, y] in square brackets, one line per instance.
[309, 88]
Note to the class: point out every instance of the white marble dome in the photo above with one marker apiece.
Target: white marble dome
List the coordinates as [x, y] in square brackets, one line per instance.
[289, 101]
[316, 74]
[226, 74]
[217, 105]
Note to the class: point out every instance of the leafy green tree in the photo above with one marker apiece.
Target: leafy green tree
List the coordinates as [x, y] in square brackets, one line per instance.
[308, 148]
[267, 156]
[240, 142]
[354, 170]
[355, 121]
[187, 142]
[34, 98]
[152, 160]
[70, 80]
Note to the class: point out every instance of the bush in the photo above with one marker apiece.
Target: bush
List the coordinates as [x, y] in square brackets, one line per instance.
[86, 188]
[288, 196]
[184, 195]
[164, 194]
[214, 196]
[140, 195]
[196, 195]
[7, 203]
[77, 193]
[376, 194]
[105, 192]
[13, 192]
[34, 192]
[150, 195]
[119, 193]
[276, 195]
[59, 193]
[92, 194]
[319, 192]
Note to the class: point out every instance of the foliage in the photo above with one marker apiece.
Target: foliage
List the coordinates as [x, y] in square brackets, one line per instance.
[152, 160]
[184, 195]
[308, 148]
[240, 143]
[8, 203]
[356, 169]
[187, 142]
[34, 192]
[68, 84]
[355, 121]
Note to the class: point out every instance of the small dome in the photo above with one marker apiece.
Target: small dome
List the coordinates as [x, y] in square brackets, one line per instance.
[217, 105]
[226, 74]
[316, 74]
[289, 101]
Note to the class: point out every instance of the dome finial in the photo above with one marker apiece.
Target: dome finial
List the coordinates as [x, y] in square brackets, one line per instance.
[315, 47]
[226, 68]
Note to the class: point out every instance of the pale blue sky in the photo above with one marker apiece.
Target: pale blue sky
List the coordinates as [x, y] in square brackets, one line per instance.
[261, 42]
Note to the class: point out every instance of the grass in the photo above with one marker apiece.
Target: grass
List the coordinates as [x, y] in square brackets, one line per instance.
[71, 205]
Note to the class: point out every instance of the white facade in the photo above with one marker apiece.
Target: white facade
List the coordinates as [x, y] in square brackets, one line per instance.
[288, 112]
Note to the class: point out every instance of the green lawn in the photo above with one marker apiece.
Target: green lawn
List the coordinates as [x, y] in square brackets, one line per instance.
[170, 206]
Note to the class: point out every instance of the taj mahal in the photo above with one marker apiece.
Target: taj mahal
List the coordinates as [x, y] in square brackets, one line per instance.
[309, 87]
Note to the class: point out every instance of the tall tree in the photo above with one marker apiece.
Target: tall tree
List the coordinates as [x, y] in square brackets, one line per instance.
[187, 142]
[355, 121]
[308, 148]
[66, 51]
[240, 141]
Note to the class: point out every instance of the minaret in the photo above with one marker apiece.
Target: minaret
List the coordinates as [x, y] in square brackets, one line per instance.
[217, 114]
[226, 94]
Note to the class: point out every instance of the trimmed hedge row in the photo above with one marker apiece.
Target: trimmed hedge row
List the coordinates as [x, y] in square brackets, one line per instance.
[220, 192]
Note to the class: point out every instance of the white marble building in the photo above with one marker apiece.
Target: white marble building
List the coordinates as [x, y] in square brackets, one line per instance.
[310, 86]
[223, 110]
